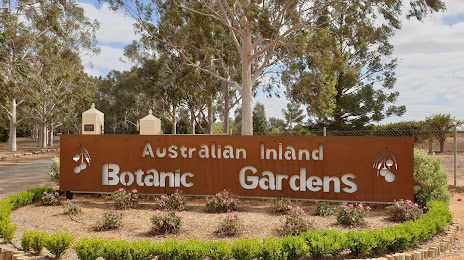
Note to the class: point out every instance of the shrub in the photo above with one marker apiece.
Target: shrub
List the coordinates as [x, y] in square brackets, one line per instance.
[192, 250]
[324, 209]
[281, 206]
[110, 220]
[167, 250]
[58, 243]
[8, 231]
[404, 210]
[165, 222]
[361, 242]
[271, 249]
[174, 202]
[217, 250]
[430, 179]
[297, 222]
[54, 170]
[142, 250]
[245, 248]
[124, 199]
[89, 248]
[230, 225]
[224, 201]
[50, 199]
[116, 250]
[71, 207]
[352, 215]
[34, 240]
[324, 242]
[294, 247]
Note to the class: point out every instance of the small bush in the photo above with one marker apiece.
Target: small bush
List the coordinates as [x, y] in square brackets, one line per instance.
[271, 249]
[352, 215]
[58, 243]
[89, 248]
[110, 220]
[281, 206]
[142, 250]
[50, 199]
[324, 242]
[174, 202]
[124, 199]
[297, 222]
[116, 250]
[71, 208]
[294, 247]
[165, 222]
[245, 248]
[8, 231]
[324, 209]
[54, 170]
[34, 240]
[217, 250]
[224, 201]
[167, 250]
[230, 225]
[404, 210]
[430, 180]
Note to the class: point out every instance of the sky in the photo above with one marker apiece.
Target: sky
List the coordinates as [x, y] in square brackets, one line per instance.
[430, 72]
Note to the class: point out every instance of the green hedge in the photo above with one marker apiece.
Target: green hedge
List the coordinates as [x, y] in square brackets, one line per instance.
[312, 243]
[7, 205]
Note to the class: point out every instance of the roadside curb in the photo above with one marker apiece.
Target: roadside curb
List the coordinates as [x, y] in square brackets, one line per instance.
[29, 153]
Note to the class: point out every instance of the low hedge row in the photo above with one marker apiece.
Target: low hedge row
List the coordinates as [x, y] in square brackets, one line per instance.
[7, 205]
[312, 243]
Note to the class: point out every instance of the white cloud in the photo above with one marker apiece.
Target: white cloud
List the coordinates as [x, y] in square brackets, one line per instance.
[115, 27]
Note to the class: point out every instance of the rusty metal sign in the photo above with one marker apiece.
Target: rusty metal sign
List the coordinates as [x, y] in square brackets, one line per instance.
[373, 169]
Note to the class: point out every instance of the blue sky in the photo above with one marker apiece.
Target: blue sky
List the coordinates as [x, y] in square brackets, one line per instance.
[430, 72]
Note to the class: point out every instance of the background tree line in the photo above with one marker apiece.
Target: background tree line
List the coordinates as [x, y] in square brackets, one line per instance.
[198, 60]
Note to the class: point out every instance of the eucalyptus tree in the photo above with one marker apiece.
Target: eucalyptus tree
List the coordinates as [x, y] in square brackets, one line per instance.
[352, 51]
[26, 25]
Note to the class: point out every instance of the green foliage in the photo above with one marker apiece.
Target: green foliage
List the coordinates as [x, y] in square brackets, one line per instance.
[352, 214]
[110, 220]
[281, 206]
[404, 210]
[142, 250]
[54, 170]
[165, 222]
[50, 199]
[293, 115]
[34, 240]
[324, 242]
[58, 243]
[230, 225]
[116, 250]
[224, 201]
[324, 209]
[191, 249]
[259, 119]
[124, 199]
[294, 247]
[89, 248]
[297, 222]
[217, 250]
[245, 248]
[271, 249]
[443, 123]
[167, 250]
[8, 231]
[361, 242]
[430, 179]
[175, 201]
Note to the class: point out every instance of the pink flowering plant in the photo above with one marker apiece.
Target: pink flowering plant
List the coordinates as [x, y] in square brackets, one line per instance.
[223, 201]
[352, 214]
[165, 222]
[175, 201]
[50, 198]
[71, 208]
[297, 222]
[404, 210]
[230, 225]
[124, 199]
[111, 220]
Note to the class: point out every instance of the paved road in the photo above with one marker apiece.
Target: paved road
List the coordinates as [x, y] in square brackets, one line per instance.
[21, 177]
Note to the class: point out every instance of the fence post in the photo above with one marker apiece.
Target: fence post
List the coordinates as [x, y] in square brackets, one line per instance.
[455, 154]
[324, 132]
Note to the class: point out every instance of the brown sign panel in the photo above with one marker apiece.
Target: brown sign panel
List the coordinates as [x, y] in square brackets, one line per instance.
[88, 127]
[375, 169]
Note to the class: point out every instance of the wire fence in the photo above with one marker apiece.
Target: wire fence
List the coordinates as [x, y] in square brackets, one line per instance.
[446, 144]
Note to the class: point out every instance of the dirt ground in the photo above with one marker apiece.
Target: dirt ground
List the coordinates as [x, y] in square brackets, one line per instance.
[29, 150]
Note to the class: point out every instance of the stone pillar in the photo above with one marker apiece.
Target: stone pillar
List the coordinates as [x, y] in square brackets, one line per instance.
[150, 125]
[93, 122]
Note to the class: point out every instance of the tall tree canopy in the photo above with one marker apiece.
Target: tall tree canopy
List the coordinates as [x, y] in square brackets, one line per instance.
[264, 34]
